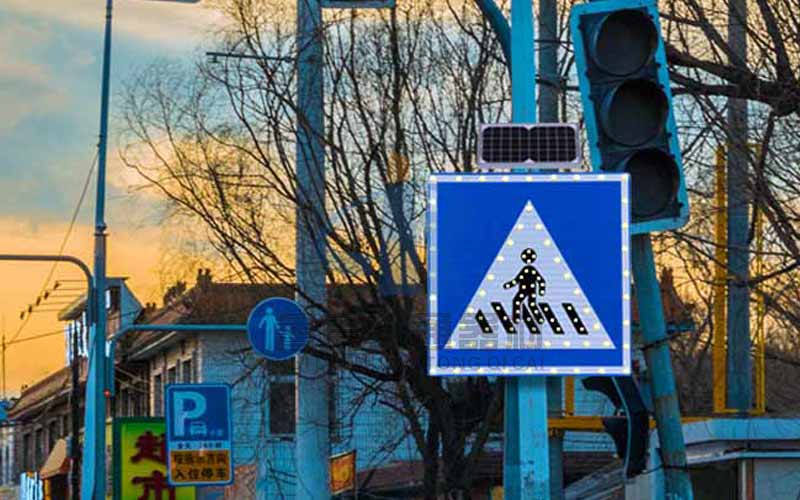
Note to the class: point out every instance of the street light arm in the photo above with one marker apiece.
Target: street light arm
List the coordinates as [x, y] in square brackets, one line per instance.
[56, 258]
[51, 258]
[497, 20]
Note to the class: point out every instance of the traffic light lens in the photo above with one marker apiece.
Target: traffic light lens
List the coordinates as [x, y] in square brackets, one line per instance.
[635, 112]
[624, 41]
[654, 178]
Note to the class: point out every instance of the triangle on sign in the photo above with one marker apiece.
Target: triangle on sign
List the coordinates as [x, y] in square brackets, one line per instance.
[529, 299]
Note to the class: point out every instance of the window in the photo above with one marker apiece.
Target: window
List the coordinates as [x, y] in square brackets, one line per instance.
[52, 435]
[188, 374]
[172, 375]
[113, 298]
[281, 408]
[285, 367]
[281, 397]
[136, 407]
[38, 459]
[158, 396]
[27, 452]
[124, 403]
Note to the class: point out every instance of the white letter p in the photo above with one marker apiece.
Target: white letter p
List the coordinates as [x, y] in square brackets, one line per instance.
[183, 413]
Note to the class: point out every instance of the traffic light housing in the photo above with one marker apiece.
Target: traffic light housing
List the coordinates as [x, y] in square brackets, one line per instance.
[627, 105]
[629, 427]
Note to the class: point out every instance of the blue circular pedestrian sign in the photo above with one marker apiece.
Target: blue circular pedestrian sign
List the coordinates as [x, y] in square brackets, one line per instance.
[277, 328]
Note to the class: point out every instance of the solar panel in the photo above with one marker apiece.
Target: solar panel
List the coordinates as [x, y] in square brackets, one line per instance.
[535, 145]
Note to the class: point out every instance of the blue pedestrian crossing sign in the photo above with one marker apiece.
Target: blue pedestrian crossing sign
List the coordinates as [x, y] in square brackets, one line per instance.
[529, 274]
[199, 434]
[277, 328]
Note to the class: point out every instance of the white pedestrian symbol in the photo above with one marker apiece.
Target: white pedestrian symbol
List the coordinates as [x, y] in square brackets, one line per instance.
[270, 324]
[287, 338]
[521, 306]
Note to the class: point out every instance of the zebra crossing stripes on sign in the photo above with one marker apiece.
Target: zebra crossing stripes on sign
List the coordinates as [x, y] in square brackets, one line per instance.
[532, 279]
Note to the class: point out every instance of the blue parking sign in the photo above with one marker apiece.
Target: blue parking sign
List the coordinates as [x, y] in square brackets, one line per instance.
[199, 434]
[529, 274]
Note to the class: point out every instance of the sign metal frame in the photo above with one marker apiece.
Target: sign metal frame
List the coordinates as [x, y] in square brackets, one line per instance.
[168, 418]
[438, 315]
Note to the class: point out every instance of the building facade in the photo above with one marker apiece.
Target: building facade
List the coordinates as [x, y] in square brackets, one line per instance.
[263, 391]
[42, 416]
[361, 417]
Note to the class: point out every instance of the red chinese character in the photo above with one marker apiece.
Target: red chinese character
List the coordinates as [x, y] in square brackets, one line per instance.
[151, 447]
[156, 484]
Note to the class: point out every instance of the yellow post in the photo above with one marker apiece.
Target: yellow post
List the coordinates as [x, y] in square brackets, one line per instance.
[569, 396]
[720, 283]
[759, 341]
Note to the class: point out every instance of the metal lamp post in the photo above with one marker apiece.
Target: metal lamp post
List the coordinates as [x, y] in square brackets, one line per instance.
[93, 484]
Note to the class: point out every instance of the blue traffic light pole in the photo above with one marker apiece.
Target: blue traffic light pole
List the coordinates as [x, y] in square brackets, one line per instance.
[659, 364]
[526, 461]
[625, 85]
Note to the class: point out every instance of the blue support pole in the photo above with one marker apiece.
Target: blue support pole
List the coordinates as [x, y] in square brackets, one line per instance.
[659, 364]
[740, 354]
[93, 477]
[312, 443]
[526, 461]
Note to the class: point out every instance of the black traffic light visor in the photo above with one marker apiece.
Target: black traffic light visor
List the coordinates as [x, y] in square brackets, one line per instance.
[623, 42]
[654, 181]
[635, 112]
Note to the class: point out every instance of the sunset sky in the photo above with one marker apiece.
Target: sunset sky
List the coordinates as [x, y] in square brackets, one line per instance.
[50, 57]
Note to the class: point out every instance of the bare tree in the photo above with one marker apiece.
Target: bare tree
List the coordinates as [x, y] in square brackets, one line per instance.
[706, 71]
[404, 89]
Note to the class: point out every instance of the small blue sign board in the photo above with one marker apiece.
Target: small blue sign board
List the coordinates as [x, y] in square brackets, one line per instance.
[277, 328]
[199, 434]
[529, 274]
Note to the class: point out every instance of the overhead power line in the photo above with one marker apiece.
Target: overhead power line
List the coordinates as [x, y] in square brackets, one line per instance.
[64, 241]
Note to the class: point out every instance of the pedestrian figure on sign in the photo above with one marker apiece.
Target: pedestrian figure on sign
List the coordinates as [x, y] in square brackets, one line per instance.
[531, 283]
[270, 323]
[287, 338]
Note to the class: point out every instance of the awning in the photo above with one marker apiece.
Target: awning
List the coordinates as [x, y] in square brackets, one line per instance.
[57, 462]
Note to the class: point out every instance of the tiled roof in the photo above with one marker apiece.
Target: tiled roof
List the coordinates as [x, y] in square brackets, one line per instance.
[42, 390]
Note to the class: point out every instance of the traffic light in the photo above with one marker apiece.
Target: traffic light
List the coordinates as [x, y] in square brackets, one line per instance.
[627, 105]
[630, 425]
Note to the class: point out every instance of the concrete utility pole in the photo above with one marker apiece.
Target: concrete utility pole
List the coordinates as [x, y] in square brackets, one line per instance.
[312, 443]
[740, 365]
[548, 113]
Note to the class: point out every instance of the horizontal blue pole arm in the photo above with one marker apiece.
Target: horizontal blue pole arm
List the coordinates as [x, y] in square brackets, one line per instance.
[112, 342]
[178, 328]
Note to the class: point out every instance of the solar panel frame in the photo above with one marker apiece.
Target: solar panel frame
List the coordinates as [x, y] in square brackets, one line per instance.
[544, 146]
